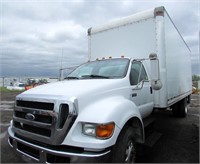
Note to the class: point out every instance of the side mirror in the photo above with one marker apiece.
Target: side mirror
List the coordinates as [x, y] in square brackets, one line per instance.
[156, 84]
[155, 72]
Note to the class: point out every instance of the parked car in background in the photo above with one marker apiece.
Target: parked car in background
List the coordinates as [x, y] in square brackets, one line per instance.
[17, 86]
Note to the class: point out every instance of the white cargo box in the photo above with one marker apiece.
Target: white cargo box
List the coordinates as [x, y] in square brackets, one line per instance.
[139, 35]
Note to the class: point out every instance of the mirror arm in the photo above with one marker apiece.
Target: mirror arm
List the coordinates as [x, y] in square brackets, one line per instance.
[136, 87]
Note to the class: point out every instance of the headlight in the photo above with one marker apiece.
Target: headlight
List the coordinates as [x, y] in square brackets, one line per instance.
[101, 131]
[89, 129]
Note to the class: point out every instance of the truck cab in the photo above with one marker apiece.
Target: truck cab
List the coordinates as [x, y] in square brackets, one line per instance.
[88, 108]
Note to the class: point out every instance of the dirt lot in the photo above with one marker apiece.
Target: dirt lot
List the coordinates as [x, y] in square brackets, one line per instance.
[179, 141]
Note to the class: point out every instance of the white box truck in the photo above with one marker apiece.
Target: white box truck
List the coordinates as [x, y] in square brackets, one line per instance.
[136, 64]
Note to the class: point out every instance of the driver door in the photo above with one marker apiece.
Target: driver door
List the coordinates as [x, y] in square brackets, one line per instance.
[141, 90]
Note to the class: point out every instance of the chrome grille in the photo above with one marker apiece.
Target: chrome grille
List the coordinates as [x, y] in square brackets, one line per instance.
[39, 121]
[35, 105]
[32, 129]
[38, 117]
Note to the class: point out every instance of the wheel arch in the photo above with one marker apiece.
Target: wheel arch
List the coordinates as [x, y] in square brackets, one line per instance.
[137, 125]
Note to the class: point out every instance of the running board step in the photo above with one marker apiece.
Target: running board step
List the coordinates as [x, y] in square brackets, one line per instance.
[148, 121]
[152, 139]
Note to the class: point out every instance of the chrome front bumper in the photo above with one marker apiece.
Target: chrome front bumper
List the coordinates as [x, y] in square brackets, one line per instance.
[35, 153]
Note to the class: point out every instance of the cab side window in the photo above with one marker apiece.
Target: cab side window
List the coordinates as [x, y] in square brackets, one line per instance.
[138, 73]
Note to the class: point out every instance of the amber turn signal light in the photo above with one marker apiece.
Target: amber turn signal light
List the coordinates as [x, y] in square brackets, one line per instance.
[105, 131]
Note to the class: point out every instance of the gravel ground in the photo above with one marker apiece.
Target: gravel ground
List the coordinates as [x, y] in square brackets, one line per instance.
[179, 141]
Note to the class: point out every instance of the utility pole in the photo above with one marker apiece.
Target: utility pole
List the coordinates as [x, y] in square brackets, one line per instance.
[61, 70]
[3, 80]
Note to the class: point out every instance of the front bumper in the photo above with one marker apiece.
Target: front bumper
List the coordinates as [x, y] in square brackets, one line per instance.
[35, 153]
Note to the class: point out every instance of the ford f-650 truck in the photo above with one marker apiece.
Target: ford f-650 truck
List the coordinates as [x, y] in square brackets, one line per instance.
[136, 64]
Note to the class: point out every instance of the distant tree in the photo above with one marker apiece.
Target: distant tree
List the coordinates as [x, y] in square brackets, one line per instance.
[195, 78]
[31, 81]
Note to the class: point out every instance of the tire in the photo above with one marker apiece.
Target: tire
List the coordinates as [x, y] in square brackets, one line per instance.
[180, 108]
[188, 99]
[175, 109]
[183, 108]
[124, 150]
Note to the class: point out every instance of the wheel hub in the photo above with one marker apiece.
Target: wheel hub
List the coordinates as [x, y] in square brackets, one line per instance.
[130, 152]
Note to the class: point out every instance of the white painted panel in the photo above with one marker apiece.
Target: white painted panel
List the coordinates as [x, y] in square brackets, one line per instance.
[136, 40]
[179, 76]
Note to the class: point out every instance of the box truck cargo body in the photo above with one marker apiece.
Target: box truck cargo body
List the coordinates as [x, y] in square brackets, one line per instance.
[99, 111]
[144, 33]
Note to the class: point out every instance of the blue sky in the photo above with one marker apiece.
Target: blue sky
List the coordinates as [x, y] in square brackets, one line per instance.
[35, 34]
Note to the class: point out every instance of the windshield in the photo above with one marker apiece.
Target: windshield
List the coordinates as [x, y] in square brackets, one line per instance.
[108, 69]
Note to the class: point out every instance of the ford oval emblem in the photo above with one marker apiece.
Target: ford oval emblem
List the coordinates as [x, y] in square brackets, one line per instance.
[30, 116]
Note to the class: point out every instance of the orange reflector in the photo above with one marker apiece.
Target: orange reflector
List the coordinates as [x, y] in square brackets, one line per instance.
[105, 131]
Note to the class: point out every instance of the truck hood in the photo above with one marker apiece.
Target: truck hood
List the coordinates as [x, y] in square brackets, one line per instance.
[72, 88]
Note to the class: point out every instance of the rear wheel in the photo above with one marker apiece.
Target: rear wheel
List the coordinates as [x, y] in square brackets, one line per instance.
[180, 108]
[124, 151]
[188, 99]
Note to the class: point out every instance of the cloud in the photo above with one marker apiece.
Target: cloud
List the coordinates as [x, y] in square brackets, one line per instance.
[38, 35]
[62, 31]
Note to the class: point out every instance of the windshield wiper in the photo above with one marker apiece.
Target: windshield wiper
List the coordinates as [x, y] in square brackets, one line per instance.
[96, 76]
[71, 77]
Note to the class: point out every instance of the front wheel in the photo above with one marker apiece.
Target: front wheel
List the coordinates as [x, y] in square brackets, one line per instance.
[124, 151]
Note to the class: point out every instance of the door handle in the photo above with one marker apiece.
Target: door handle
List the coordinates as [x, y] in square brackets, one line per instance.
[134, 94]
[151, 90]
